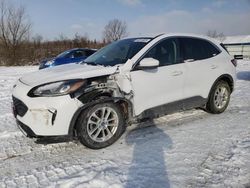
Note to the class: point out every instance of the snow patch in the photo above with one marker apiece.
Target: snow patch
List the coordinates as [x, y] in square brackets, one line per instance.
[186, 149]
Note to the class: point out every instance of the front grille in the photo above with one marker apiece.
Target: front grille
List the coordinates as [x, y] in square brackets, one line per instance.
[19, 107]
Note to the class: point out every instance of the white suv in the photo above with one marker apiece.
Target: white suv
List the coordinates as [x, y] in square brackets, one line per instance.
[122, 83]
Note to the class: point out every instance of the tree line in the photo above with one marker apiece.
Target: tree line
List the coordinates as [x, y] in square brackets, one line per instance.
[18, 47]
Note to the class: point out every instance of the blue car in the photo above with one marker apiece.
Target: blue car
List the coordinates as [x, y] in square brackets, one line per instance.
[70, 56]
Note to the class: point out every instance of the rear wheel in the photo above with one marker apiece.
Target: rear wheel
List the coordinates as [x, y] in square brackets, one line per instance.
[100, 126]
[219, 98]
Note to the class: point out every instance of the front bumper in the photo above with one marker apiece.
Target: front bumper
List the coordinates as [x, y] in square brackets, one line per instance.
[43, 116]
[26, 130]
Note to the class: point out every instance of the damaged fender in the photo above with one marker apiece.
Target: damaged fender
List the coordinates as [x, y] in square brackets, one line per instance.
[114, 88]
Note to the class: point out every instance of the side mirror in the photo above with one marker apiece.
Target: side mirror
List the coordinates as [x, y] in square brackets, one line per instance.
[148, 63]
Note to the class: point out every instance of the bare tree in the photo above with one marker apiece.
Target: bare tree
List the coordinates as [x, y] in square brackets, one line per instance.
[14, 30]
[214, 34]
[37, 39]
[115, 30]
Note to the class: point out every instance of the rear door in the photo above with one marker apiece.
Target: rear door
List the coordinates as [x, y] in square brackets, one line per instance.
[201, 69]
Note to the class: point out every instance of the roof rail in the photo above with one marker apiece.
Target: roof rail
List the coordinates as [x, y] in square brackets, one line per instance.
[158, 35]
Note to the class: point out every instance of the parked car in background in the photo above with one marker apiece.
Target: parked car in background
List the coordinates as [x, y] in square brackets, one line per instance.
[75, 55]
[125, 82]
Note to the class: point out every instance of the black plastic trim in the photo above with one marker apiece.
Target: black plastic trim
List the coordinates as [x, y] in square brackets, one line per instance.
[222, 77]
[24, 128]
[169, 108]
[19, 108]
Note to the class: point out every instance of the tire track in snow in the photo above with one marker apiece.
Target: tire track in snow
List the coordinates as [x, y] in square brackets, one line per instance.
[224, 168]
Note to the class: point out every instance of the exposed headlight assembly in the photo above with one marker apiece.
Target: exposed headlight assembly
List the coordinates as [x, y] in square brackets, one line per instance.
[56, 88]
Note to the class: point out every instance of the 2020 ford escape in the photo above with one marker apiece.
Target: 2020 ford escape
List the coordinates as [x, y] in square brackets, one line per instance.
[128, 80]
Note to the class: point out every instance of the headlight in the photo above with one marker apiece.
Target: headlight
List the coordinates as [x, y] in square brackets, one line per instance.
[56, 88]
[50, 62]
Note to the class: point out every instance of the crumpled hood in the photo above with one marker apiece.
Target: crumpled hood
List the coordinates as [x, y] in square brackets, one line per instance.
[66, 72]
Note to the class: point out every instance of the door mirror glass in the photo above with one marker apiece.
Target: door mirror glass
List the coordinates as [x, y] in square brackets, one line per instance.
[148, 63]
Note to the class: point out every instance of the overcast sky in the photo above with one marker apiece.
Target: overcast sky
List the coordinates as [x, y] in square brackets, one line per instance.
[51, 18]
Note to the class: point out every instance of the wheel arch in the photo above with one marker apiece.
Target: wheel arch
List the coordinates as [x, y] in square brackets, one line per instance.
[225, 77]
[124, 104]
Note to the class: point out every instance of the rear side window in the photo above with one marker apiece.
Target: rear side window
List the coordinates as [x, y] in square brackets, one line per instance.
[197, 49]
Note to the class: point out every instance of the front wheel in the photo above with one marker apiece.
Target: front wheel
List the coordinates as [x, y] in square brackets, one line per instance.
[219, 98]
[100, 125]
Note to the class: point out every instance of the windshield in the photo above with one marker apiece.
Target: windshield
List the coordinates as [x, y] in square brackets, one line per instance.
[117, 52]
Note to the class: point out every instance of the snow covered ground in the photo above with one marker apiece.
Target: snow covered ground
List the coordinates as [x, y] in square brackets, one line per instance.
[188, 149]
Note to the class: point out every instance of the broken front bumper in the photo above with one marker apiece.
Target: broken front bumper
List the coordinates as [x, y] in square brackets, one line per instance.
[26, 130]
[43, 116]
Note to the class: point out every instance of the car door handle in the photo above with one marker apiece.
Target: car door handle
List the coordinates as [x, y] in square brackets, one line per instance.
[214, 66]
[176, 73]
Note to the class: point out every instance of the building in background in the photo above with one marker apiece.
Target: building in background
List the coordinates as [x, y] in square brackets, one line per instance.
[238, 45]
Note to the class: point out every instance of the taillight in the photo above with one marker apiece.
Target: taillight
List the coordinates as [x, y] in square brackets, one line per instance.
[234, 61]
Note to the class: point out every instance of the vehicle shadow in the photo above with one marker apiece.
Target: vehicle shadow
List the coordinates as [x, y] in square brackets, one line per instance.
[148, 166]
[243, 75]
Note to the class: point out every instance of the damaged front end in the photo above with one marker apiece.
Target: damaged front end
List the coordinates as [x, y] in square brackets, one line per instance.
[114, 88]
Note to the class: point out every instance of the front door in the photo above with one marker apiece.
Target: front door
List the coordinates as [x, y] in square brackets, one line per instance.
[161, 85]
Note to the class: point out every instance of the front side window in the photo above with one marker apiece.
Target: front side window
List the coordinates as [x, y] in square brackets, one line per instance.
[166, 52]
[197, 49]
[117, 52]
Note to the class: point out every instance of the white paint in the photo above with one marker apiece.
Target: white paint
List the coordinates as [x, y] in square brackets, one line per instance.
[66, 72]
[157, 86]
[150, 88]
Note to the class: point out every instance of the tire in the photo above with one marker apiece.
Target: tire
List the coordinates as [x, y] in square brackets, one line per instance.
[97, 129]
[217, 101]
